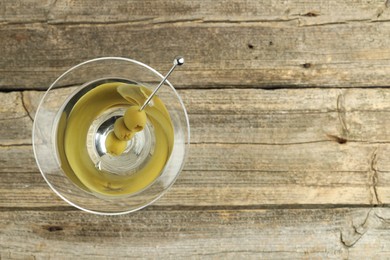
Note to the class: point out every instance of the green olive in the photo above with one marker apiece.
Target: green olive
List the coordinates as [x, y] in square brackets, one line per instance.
[114, 146]
[135, 120]
[121, 131]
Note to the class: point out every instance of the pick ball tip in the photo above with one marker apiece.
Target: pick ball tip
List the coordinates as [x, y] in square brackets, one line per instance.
[179, 61]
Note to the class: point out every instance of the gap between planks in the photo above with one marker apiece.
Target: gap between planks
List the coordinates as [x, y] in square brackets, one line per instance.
[212, 208]
[9, 89]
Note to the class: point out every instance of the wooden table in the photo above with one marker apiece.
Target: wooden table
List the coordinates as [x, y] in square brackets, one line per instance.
[290, 113]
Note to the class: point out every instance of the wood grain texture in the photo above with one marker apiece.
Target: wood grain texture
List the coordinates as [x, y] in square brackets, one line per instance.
[255, 116]
[197, 233]
[289, 111]
[296, 147]
[89, 11]
[255, 44]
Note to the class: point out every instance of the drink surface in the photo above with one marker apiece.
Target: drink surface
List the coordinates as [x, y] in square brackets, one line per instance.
[84, 123]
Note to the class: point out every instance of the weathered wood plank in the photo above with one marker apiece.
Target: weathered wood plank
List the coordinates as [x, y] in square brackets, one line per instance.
[285, 116]
[241, 54]
[89, 11]
[163, 232]
[288, 116]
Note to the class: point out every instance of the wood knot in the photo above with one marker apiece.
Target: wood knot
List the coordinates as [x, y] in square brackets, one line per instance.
[54, 228]
[311, 14]
[250, 46]
[306, 65]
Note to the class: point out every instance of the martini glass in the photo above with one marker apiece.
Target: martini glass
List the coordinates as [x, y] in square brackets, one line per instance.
[74, 160]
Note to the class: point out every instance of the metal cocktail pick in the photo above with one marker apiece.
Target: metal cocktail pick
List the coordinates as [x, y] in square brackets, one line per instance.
[177, 61]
